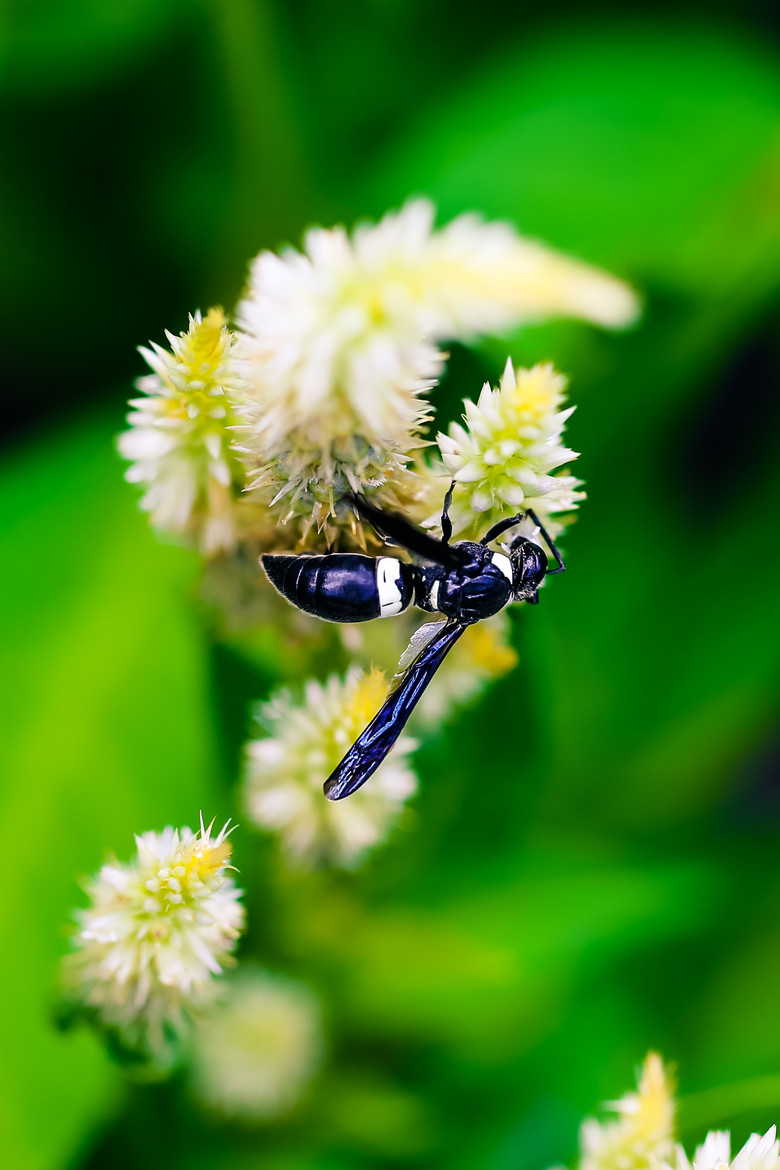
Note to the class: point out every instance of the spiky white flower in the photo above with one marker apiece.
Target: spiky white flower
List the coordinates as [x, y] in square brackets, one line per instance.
[157, 932]
[285, 771]
[182, 434]
[341, 340]
[257, 1049]
[509, 446]
[643, 1136]
[758, 1153]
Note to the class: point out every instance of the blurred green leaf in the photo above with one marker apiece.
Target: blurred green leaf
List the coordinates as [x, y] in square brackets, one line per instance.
[651, 678]
[483, 965]
[56, 44]
[622, 141]
[106, 733]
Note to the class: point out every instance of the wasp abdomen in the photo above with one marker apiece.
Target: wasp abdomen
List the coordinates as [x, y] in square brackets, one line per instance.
[343, 587]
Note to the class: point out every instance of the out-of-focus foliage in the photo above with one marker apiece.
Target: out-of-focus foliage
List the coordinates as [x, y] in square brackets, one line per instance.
[106, 730]
[592, 868]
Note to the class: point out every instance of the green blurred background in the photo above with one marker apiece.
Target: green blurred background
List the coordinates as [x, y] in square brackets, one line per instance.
[592, 867]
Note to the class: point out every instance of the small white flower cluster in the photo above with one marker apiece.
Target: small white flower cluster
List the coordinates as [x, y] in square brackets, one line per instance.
[257, 1049]
[320, 393]
[509, 446]
[157, 932]
[758, 1153]
[150, 947]
[181, 440]
[286, 769]
[642, 1138]
[643, 1135]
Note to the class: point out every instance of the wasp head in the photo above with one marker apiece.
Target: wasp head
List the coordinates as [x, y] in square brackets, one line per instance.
[529, 567]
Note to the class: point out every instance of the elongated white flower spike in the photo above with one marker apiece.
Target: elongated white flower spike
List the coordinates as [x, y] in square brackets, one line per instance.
[258, 1047]
[507, 450]
[286, 769]
[182, 434]
[642, 1138]
[157, 933]
[472, 277]
[340, 342]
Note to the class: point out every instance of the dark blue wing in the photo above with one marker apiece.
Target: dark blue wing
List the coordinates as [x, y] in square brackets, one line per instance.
[403, 532]
[368, 751]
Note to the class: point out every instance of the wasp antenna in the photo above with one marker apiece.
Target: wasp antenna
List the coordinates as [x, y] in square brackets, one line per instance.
[550, 544]
[502, 526]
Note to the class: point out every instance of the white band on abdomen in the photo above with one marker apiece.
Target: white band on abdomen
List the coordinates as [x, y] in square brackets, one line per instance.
[388, 578]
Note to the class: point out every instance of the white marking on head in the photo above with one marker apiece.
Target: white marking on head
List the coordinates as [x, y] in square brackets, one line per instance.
[433, 596]
[505, 565]
[388, 584]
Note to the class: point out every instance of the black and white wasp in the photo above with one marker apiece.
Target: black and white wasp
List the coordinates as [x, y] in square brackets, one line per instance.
[465, 582]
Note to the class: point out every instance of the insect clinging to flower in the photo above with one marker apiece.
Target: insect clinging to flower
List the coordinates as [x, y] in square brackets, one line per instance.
[465, 582]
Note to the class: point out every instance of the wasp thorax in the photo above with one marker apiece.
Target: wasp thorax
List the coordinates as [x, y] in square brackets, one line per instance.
[476, 589]
[529, 566]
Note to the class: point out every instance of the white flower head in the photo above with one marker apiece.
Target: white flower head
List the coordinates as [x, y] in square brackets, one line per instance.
[182, 434]
[508, 449]
[258, 1047]
[642, 1137]
[758, 1153]
[286, 769]
[341, 340]
[158, 931]
[472, 278]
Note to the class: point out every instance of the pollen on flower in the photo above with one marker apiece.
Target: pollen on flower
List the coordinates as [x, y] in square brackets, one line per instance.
[258, 1047]
[157, 932]
[507, 450]
[181, 441]
[304, 741]
[642, 1138]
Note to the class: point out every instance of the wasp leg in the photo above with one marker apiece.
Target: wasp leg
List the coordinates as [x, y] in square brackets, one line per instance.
[446, 523]
[550, 544]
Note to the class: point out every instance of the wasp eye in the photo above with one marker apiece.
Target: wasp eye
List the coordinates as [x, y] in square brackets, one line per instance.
[529, 564]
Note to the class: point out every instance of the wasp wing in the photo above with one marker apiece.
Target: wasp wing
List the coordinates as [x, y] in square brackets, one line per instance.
[403, 532]
[417, 643]
[370, 748]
